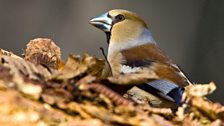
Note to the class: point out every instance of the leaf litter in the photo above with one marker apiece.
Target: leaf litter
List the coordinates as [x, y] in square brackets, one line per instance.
[42, 89]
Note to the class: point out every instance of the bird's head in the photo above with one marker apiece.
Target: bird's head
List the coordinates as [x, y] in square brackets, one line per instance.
[123, 27]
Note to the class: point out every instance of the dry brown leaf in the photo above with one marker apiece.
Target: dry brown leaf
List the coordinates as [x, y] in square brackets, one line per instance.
[18, 110]
[20, 69]
[133, 78]
[78, 108]
[161, 121]
[77, 66]
[73, 67]
[107, 92]
[190, 122]
[19, 66]
[5, 75]
[217, 122]
[199, 90]
[109, 117]
[161, 111]
[198, 105]
[86, 122]
[86, 80]
[96, 68]
[7, 53]
[144, 98]
[209, 109]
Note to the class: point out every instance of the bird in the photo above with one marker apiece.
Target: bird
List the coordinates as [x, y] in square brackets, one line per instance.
[131, 47]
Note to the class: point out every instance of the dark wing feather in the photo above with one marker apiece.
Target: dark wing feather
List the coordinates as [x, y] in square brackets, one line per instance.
[164, 88]
[138, 63]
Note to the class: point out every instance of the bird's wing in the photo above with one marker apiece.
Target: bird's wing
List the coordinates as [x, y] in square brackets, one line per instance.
[165, 89]
[151, 57]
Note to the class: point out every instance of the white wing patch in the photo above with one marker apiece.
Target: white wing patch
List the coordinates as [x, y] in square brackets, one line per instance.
[127, 69]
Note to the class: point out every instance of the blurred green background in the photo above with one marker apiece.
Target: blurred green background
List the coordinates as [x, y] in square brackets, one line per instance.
[191, 32]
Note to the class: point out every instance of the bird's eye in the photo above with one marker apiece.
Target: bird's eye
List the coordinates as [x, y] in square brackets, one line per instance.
[119, 18]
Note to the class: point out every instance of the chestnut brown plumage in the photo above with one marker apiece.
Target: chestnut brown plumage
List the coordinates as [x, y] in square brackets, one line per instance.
[132, 48]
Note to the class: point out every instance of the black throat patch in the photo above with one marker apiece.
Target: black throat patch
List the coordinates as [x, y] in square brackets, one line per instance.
[108, 34]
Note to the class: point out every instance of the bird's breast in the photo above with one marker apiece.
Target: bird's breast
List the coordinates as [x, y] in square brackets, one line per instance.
[115, 62]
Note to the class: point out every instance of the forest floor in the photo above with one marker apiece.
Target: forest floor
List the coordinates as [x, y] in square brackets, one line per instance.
[39, 89]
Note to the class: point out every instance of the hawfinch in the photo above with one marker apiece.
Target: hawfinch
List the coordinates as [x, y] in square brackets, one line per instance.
[132, 47]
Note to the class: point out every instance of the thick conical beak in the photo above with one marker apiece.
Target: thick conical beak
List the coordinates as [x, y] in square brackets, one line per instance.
[102, 22]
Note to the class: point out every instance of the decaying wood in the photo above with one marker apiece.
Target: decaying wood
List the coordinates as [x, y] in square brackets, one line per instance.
[41, 89]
